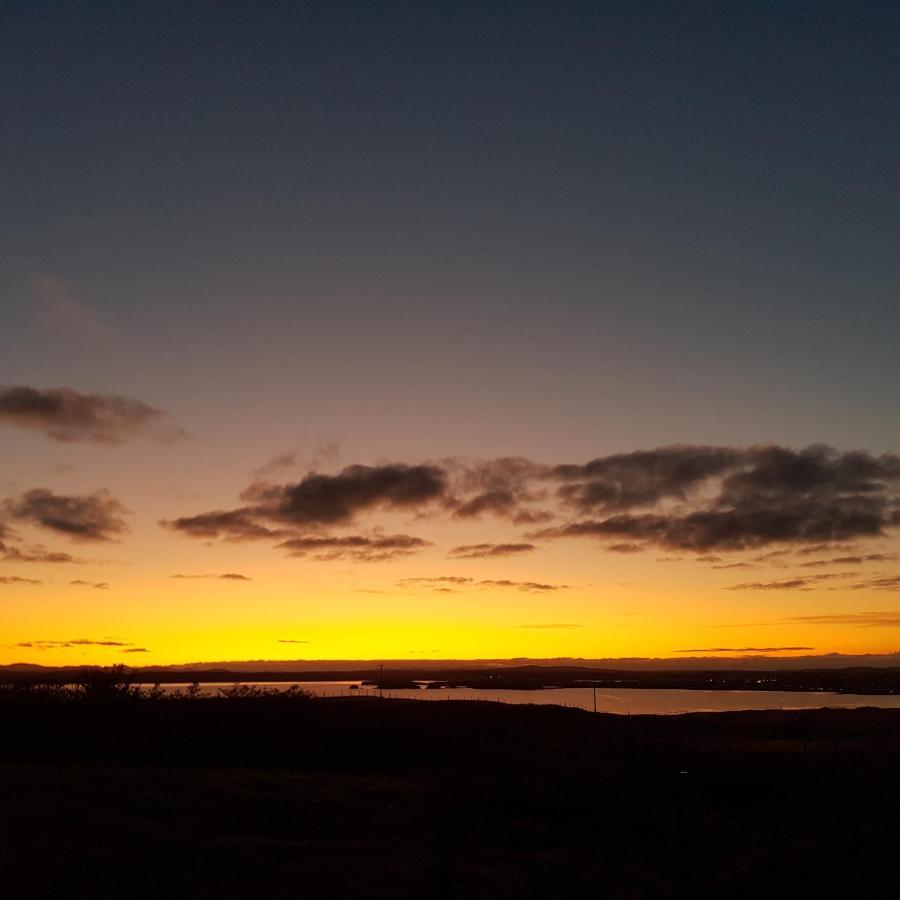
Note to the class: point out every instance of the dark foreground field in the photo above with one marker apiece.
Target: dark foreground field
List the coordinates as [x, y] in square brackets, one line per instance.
[357, 798]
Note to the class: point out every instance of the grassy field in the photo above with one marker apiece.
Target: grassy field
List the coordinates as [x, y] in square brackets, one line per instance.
[270, 798]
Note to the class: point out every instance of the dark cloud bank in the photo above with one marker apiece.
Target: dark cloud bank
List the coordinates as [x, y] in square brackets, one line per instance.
[695, 499]
[727, 499]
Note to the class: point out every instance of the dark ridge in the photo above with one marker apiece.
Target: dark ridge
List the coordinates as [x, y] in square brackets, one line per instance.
[850, 680]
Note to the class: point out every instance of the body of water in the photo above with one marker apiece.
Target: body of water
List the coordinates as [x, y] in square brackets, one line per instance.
[610, 700]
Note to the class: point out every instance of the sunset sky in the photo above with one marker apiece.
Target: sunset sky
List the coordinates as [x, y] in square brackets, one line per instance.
[365, 330]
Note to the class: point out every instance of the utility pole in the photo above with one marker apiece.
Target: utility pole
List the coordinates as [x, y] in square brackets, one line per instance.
[381, 680]
[594, 689]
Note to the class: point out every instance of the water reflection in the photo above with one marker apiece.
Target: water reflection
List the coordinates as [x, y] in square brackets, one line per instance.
[611, 700]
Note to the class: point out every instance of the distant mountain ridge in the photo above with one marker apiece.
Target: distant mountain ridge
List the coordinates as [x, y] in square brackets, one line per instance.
[691, 663]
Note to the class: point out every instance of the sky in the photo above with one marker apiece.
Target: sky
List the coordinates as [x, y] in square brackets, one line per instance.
[317, 294]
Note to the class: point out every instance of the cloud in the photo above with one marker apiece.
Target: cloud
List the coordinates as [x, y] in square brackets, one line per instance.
[642, 478]
[534, 586]
[739, 528]
[89, 517]
[741, 499]
[68, 416]
[742, 649]
[503, 487]
[888, 619]
[319, 500]
[878, 583]
[59, 310]
[806, 583]
[850, 560]
[699, 499]
[441, 581]
[500, 503]
[74, 642]
[278, 463]
[326, 453]
[811, 551]
[99, 585]
[227, 576]
[134, 650]
[550, 625]
[291, 641]
[36, 554]
[14, 579]
[230, 525]
[359, 547]
[485, 551]
[337, 499]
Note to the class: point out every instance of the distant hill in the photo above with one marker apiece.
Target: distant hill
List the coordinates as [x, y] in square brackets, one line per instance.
[763, 662]
[760, 662]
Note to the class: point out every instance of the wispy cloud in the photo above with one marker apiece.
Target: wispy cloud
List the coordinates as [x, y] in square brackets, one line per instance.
[73, 642]
[440, 582]
[362, 548]
[849, 560]
[60, 311]
[533, 586]
[226, 576]
[448, 579]
[880, 619]
[806, 583]
[878, 583]
[486, 551]
[743, 649]
[326, 453]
